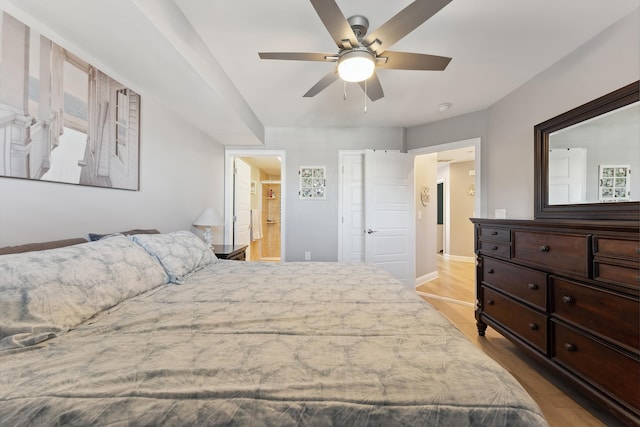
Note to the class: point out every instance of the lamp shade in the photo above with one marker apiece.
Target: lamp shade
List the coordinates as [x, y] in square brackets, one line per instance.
[209, 217]
[356, 66]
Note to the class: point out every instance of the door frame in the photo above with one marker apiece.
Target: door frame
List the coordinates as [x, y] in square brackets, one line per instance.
[479, 205]
[229, 156]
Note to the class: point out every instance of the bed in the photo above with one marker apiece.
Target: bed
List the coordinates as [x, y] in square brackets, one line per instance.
[154, 330]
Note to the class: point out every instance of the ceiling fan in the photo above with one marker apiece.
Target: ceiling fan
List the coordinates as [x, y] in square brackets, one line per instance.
[360, 54]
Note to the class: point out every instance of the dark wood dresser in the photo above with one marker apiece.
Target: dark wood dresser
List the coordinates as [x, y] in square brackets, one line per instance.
[567, 292]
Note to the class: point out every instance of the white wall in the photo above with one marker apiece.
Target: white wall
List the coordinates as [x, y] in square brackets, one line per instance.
[181, 172]
[312, 225]
[607, 62]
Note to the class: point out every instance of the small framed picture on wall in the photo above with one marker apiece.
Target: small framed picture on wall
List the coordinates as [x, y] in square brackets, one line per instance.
[313, 182]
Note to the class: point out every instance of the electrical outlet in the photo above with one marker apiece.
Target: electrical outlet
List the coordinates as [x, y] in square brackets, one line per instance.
[307, 256]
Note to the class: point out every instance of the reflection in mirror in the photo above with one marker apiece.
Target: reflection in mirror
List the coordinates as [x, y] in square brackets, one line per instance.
[592, 161]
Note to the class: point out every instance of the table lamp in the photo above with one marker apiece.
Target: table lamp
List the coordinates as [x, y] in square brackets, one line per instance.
[208, 218]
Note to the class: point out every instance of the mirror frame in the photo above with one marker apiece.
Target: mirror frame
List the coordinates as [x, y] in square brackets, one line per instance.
[627, 211]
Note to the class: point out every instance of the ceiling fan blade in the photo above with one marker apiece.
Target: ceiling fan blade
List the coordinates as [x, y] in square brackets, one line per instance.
[324, 82]
[297, 56]
[413, 61]
[405, 21]
[374, 88]
[335, 22]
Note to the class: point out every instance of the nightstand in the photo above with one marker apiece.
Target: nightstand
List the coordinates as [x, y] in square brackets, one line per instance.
[232, 252]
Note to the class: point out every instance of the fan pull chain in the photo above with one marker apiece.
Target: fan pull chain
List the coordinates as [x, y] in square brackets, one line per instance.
[365, 96]
[344, 90]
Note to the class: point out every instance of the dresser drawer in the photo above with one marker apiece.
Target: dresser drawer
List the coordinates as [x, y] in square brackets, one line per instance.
[615, 247]
[614, 371]
[495, 248]
[612, 316]
[522, 283]
[567, 253]
[525, 322]
[622, 273]
[494, 233]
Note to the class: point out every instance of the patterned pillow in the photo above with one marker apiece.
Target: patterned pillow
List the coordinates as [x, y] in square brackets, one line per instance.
[181, 253]
[46, 293]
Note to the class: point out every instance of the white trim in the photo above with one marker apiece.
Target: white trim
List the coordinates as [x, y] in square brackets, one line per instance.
[229, 155]
[341, 155]
[427, 278]
[447, 299]
[459, 258]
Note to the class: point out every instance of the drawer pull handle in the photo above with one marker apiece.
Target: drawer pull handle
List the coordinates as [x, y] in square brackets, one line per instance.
[494, 248]
[568, 300]
[570, 347]
[494, 233]
[490, 302]
[543, 248]
[533, 326]
[490, 271]
[533, 286]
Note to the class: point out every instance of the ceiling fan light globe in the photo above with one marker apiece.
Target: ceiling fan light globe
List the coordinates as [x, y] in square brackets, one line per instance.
[356, 66]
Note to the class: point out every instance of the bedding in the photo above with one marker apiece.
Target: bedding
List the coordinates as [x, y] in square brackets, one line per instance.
[45, 293]
[248, 343]
[181, 253]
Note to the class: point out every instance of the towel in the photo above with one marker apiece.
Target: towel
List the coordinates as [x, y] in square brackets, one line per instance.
[256, 225]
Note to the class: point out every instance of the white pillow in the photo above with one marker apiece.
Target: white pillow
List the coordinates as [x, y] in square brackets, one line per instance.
[181, 253]
[46, 293]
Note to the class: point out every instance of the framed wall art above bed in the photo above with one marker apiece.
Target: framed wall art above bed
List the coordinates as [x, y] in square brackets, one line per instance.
[68, 121]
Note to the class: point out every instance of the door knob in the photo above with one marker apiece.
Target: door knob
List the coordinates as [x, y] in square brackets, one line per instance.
[370, 231]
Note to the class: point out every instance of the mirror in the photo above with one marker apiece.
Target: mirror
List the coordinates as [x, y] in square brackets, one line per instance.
[588, 160]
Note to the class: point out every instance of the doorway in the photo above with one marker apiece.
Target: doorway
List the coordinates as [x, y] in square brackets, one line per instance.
[457, 198]
[264, 192]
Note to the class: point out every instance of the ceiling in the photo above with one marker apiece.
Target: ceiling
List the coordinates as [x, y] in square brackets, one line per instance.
[271, 165]
[200, 57]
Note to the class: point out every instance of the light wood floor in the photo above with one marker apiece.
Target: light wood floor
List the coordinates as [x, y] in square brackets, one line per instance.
[453, 294]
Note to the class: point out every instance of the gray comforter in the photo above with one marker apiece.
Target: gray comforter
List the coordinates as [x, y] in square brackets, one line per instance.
[243, 343]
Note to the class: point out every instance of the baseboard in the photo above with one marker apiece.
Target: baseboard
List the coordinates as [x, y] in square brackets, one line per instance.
[459, 258]
[447, 299]
[426, 278]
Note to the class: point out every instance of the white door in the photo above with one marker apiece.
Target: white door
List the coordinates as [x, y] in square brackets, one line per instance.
[567, 175]
[352, 208]
[389, 228]
[242, 203]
